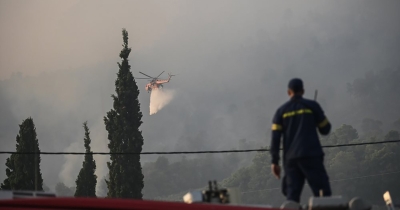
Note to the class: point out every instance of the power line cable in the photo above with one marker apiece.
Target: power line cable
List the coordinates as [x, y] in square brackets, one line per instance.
[189, 152]
[336, 180]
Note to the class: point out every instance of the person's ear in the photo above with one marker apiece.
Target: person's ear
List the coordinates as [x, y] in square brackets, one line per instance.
[290, 92]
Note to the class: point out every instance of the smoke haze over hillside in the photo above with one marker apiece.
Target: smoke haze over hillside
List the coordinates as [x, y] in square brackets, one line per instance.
[58, 64]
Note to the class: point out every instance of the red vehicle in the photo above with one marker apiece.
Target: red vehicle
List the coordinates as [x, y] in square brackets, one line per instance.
[48, 202]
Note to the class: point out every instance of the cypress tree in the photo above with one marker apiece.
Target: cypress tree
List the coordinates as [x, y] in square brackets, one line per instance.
[86, 181]
[23, 170]
[122, 124]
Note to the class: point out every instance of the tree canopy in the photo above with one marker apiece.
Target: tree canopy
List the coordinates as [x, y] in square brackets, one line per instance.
[87, 179]
[122, 123]
[23, 170]
[365, 171]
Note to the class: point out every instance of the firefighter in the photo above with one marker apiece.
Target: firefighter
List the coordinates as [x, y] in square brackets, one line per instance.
[297, 122]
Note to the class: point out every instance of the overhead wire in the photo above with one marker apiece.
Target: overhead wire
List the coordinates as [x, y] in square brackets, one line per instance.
[190, 152]
[222, 151]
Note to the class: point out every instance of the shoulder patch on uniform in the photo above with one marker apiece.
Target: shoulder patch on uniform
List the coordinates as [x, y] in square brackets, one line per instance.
[276, 127]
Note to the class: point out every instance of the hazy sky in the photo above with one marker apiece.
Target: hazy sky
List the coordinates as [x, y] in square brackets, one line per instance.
[233, 60]
[61, 35]
[42, 36]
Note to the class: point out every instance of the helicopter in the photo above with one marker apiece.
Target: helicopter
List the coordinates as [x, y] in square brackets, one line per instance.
[155, 83]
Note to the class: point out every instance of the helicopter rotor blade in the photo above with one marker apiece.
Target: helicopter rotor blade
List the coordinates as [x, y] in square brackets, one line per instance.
[145, 74]
[142, 78]
[160, 74]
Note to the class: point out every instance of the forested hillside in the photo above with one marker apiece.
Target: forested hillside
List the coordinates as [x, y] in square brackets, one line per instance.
[366, 171]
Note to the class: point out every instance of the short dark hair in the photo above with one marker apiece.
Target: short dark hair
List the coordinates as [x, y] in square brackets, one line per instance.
[296, 85]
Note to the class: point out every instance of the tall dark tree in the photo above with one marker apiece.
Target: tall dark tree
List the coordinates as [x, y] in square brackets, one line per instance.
[122, 124]
[86, 181]
[23, 170]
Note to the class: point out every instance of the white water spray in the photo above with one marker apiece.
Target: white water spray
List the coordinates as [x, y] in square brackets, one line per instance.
[159, 98]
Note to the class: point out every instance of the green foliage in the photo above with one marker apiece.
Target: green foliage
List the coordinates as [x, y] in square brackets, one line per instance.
[86, 181]
[122, 124]
[345, 134]
[255, 182]
[392, 135]
[365, 171]
[340, 170]
[170, 179]
[163, 178]
[64, 191]
[23, 170]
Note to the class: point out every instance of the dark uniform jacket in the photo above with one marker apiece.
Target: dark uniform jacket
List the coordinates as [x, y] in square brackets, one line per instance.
[297, 121]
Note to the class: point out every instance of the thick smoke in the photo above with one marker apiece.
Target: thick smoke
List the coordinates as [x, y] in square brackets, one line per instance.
[73, 163]
[236, 58]
[159, 98]
[70, 170]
